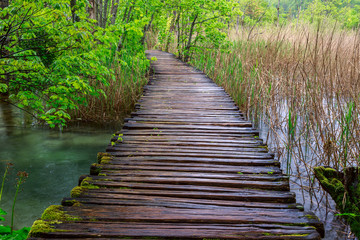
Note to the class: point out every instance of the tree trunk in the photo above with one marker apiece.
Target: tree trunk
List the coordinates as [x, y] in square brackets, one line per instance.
[178, 33]
[188, 45]
[171, 30]
[122, 38]
[99, 11]
[105, 13]
[74, 17]
[4, 3]
[146, 29]
[92, 9]
[114, 10]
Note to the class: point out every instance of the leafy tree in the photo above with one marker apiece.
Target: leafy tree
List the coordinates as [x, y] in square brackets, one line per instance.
[47, 62]
[197, 23]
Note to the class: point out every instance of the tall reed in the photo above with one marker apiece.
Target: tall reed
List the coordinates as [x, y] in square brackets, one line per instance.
[120, 93]
[304, 83]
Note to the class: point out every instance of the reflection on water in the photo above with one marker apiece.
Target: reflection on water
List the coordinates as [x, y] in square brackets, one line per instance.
[53, 159]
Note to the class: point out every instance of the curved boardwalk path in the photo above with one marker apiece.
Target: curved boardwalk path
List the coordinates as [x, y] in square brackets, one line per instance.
[187, 165]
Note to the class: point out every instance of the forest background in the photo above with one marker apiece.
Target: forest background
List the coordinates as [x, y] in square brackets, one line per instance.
[61, 59]
[292, 65]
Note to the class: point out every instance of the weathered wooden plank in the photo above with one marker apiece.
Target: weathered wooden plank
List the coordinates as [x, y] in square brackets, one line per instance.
[269, 185]
[165, 143]
[193, 112]
[174, 133]
[176, 160]
[220, 140]
[181, 215]
[234, 121]
[269, 196]
[156, 147]
[140, 200]
[187, 165]
[195, 134]
[118, 175]
[124, 148]
[244, 155]
[109, 230]
[214, 127]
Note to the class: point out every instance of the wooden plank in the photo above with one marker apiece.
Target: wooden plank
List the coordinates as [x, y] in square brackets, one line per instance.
[251, 195]
[173, 174]
[165, 143]
[268, 185]
[140, 200]
[156, 147]
[111, 230]
[244, 155]
[138, 184]
[176, 160]
[191, 120]
[186, 165]
[189, 139]
[180, 215]
[173, 133]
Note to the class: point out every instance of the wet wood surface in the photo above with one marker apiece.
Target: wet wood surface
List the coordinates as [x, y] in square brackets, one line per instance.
[186, 165]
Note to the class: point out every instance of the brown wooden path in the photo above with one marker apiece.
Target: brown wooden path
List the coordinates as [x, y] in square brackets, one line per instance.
[187, 165]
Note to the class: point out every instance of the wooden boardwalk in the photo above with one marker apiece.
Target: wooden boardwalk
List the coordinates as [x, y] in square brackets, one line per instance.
[187, 165]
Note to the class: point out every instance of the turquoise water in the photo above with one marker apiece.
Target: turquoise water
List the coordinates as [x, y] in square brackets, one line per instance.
[54, 161]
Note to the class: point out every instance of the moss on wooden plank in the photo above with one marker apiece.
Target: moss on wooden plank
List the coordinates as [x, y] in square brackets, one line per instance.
[53, 215]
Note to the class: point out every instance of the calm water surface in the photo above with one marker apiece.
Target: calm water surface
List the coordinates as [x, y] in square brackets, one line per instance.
[54, 161]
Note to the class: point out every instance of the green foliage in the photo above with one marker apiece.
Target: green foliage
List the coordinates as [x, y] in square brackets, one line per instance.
[47, 62]
[5, 233]
[51, 66]
[343, 12]
[194, 24]
[2, 213]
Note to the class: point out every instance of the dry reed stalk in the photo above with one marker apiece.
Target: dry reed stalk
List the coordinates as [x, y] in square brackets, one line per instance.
[304, 84]
[121, 96]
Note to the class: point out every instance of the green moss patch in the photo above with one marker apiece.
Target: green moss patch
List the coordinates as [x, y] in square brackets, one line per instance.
[41, 226]
[76, 192]
[344, 188]
[104, 158]
[70, 202]
[56, 213]
[95, 169]
[102, 154]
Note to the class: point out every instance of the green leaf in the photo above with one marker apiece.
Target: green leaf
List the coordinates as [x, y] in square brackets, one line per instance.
[3, 87]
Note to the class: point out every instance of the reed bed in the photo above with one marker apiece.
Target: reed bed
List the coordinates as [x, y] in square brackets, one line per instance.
[120, 94]
[302, 84]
